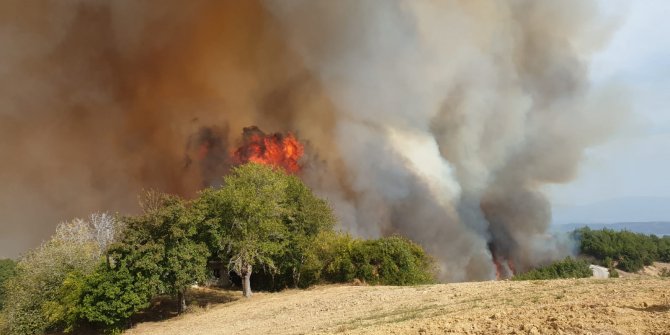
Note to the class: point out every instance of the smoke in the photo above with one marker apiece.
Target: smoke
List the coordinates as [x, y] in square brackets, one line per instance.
[439, 120]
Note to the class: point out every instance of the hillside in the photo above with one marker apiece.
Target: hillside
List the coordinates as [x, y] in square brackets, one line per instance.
[626, 209]
[637, 305]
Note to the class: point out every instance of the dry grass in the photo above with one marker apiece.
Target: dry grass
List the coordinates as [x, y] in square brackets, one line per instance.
[636, 305]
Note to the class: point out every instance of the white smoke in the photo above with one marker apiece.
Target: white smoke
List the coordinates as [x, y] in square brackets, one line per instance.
[452, 115]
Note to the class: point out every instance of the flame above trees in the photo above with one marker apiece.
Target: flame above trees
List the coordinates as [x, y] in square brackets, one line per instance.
[271, 149]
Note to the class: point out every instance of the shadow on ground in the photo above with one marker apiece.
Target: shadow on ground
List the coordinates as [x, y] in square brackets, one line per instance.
[165, 307]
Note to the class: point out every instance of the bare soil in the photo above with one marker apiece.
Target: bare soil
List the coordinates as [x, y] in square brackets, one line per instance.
[634, 305]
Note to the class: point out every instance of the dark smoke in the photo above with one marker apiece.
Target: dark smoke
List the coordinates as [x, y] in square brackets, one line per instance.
[442, 120]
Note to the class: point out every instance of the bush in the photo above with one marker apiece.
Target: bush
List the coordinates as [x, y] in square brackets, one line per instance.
[567, 268]
[387, 261]
[339, 258]
[392, 260]
[613, 272]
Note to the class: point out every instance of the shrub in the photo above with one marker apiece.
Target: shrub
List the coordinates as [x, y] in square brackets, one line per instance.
[332, 258]
[338, 258]
[392, 260]
[613, 272]
[567, 268]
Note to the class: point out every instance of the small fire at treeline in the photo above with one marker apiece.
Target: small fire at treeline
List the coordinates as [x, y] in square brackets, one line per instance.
[276, 149]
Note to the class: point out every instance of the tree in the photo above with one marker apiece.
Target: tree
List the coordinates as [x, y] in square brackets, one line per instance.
[247, 215]
[33, 291]
[305, 217]
[629, 251]
[111, 295]
[160, 245]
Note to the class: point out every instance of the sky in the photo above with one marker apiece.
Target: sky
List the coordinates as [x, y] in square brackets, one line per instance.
[635, 162]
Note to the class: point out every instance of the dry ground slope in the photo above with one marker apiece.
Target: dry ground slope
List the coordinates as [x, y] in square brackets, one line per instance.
[578, 306]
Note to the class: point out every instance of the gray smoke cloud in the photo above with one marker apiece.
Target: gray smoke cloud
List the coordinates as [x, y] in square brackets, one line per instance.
[438, 120]
[452, 115]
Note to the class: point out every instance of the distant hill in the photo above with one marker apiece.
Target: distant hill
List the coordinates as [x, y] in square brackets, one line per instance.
[619, 210]
[658, 228]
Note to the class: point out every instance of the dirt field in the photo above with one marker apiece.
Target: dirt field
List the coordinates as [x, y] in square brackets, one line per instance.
[638, 305]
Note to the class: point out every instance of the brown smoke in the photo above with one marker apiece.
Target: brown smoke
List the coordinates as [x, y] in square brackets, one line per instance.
[438, 120]
[103, 99]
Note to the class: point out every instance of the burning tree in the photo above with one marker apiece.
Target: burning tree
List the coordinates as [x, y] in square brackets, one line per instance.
[278, 150]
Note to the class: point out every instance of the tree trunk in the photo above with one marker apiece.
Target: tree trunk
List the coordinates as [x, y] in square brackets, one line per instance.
[181, 297]
[296, 277]
[246, 281]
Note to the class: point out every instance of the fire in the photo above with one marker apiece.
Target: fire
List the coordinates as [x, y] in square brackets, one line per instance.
[504, 266]
[272, 149]
[504, 269]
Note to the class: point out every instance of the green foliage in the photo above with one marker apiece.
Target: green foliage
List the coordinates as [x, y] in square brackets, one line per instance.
[246, 215]
[329, 259]
[40, 277]
[567, 268]
[629, 251]
[159, 246]
[304, 217]
[613, 272]
[7, 270]
[111, 295]
[392, 260]
[387, 261]
[99, 275]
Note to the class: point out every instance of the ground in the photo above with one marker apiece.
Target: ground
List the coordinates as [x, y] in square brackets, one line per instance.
[632, 305]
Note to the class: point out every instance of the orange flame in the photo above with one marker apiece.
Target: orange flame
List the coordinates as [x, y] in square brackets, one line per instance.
[278, 150]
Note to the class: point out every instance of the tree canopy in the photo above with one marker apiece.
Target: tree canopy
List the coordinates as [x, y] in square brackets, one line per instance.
[101, 272]
[627, 250]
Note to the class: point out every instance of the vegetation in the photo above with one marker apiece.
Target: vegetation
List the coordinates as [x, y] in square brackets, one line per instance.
[99, 273]
[567, 268]
[7, 271]
[160, 245]
[386, 261]
[624, 250]
[247, 213]
[613, 273]
[33, 294]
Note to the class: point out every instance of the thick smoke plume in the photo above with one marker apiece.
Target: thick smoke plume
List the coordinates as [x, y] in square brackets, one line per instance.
[439, 120]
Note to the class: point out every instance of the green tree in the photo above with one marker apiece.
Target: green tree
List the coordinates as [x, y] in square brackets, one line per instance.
[161, 246]
[246, 214]
[392, 260]
[305, 218]
[627, 250]
[110, 295]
